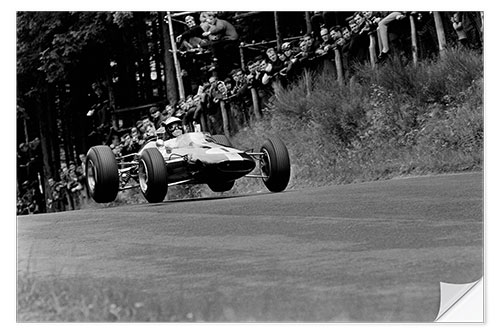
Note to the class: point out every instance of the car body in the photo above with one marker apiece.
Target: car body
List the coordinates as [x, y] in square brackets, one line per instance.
[191, 158]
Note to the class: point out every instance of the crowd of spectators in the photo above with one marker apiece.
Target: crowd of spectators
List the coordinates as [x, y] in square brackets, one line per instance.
[226, 80]
[68, 193]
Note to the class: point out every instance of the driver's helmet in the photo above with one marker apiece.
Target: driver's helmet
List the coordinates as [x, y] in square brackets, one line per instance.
[173, 127]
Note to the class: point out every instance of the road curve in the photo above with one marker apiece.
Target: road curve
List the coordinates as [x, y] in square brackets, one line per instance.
[361, 252]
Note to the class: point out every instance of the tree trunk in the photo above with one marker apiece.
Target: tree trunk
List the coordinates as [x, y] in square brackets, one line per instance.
[46, 132]
[279, 40]
[49, 111]
[308, 23]
[145, 66]
[157, 39]
[170, 78]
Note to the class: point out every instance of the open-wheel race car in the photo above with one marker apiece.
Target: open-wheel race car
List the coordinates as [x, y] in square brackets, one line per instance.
[191, 158]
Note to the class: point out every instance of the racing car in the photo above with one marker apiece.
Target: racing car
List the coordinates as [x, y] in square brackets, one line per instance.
[191, 158]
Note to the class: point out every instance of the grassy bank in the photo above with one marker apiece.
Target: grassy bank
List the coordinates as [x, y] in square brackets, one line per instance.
[392, 121]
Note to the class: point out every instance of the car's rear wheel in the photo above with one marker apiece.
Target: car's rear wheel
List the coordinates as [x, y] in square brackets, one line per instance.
[275, 164]
[222, 140]
[153, 175]
[101, 174]
[221, 187]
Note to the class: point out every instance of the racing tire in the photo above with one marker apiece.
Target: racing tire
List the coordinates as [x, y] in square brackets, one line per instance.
[221, 187]
[102, 177]
[221, 139]
[275, 164]
[153, 175]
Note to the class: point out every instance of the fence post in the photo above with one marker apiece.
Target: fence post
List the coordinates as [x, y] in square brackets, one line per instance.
[338, 65]
[225, 120]
[203, 120]
[255, 102]
[242, 56]
[440, 32]
[414, 48]
[371, 48]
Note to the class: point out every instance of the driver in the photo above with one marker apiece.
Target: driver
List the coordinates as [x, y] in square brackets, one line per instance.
[173, 128]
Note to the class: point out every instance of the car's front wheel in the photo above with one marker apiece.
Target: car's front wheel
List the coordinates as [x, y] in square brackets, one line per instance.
[101, 171]
[275, 164]
[153, 175]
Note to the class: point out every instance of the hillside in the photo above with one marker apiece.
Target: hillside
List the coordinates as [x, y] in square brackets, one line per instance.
[387, 122]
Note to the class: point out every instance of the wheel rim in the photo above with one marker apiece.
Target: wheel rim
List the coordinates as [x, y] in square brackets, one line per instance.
[143, 176]
[91, 175]
[265, 164]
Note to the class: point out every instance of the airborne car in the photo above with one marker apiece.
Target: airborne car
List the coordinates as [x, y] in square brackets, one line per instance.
[191, 158]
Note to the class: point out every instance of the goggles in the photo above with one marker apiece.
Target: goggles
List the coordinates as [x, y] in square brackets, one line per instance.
[173, 127]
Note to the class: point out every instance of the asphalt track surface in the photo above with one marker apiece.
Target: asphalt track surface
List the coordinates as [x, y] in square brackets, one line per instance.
[362, 252]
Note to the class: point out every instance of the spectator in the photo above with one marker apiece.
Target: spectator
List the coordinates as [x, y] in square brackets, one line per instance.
[136, 136]
[282, 57]
[327, 45]
[58, 199]
[115, 145]
[187, 120]
[272, 66]
[169, 111]
[456, 20]
[144, 123]
[311, 42]
[370, 22]
[23, 163]
[243, 101]
[472, 25]
[220, 29]
[359, 42]
[74, 186]
[129, 146]
[287, 50]
[384, 37]
[99, 115]
[156, 117]
[193, 37]
[203, 21]
[335, 34]
[149, 133]
[223, 42]
[81, 170]
[317, 23]
[63, 172]
[82, 159]
[140, 127]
